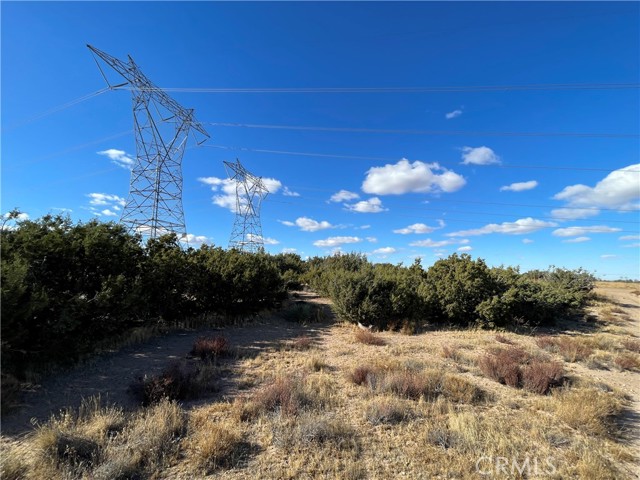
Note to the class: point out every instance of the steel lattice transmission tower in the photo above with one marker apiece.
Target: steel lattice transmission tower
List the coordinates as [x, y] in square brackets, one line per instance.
[250, 192]
[162, 126]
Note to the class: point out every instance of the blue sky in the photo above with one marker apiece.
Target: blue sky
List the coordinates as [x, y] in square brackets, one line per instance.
[424, 190]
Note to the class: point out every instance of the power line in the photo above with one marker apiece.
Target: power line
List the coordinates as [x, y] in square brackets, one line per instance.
[53, 110]
[390, 159]
[406, 89]
[427, 132]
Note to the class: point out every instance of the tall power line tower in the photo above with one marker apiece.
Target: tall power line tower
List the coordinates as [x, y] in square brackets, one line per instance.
[250, 192]
[162, 126]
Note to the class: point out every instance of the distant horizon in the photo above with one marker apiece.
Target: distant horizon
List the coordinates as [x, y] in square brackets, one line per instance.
[507, 131]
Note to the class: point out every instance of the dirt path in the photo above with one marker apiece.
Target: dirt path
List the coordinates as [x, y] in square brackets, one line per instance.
[110, 375]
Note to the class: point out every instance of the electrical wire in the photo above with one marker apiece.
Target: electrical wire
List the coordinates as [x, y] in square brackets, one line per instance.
[389, 159]
[406, 89]
[426, 132]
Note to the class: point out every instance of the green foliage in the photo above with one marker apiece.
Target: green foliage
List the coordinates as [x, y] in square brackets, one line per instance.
[67, 288]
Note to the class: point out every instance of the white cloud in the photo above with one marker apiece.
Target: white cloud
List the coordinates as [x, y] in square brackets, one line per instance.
[308, 224]
[20, 216]
[265, 240]
[289, 193]
[519, 186]
[62, 209]
[364, 227]
[519, 227]
[373, 205]
[431, 243]
[371, 239]
[581, 231]
[108, 213]
[577, 240]
[343, 196]
[416, 177]
[573, 213]
[336, 241]
[195, 239]
[527, 241]
[466, 248]
[629, 237]
[118, 157]
[226, 189]
[289, 250]
[632, 245]
[620, 190]
[384, 251]
[105, 199]
[606, 256]
[454, 114]
[419, 228]
[479, 156]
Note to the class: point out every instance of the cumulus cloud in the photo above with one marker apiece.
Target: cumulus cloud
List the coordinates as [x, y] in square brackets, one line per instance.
[479, 156]
[581, 231]
[192, 239]
[373, 205]
[108, 213]
[105, 199]
[384, 251]
[289, 250]
[431, 243]
[336, 241]
[419, 228]
[371, 239]
[405, 177]
[265, 240]
[619, 190]
[456, 113]
[225, 189]
[289, 193]
[629, 237]
[308, 224]
[632, 245]
[466, 248]
[577, 240]
[519, 186]
[526, 241]
[519, 227]
[573, 213]
[343, 196]
[118, 157]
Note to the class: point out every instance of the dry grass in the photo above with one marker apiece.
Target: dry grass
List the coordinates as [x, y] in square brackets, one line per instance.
[369, 338]
[631, 344]
[627, 361]
[302, 342]
[589, 410]
[569, 348]
[210, 347]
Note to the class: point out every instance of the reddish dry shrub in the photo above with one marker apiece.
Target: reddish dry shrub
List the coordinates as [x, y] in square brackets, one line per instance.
[573, 350]
[627, 361]
[282, 394]
[503, 339]
[546, 342]
[210, 347]
[518, 369]
[540, 376]
[450, 352]
[176, 382]
[409, 384]
[302, 342]
[368, 338]
[360, 375]
[631, 344]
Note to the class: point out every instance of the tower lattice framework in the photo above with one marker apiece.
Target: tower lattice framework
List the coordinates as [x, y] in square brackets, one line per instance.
[246, 234]
[162, 127]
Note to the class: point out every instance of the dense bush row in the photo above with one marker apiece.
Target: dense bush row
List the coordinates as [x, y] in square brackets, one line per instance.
[457, 290]
[68, 287]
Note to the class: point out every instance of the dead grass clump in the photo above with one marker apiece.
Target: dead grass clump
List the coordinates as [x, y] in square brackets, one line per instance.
[313, 430]
[589, 410]
[214, 444]
[387, 410]
[317, 364]
[177, 382]
[283, 394]
[15, 460]
[627, 361]
[369, 338]
[302, 342]
[452, 353]
[429, 385]
[516, 368]
[631, 344]
[361, 375]
[502, 339]
[571, 349]
[210, 347]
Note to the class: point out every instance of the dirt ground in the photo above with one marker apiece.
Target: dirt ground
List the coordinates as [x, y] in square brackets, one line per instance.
[110, 375]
